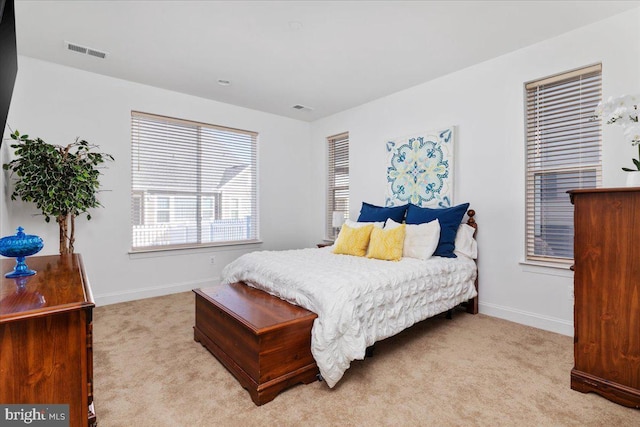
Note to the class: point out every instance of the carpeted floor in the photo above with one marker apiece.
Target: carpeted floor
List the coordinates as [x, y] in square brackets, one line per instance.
[469, 371]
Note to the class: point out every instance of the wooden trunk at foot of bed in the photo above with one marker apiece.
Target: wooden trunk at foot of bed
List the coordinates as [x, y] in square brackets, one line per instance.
[262, 340]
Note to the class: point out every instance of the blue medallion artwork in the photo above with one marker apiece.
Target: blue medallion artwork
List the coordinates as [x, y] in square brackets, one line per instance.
[420, 169]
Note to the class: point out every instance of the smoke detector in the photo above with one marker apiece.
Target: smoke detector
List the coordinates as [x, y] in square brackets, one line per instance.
[74, 47]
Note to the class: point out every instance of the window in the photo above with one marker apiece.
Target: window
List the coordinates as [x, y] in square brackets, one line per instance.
[338, 186]
[193, 184]
[137, 207]
[163, 212]
[563, 145]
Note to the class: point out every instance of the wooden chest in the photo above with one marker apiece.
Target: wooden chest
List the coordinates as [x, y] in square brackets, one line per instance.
[262, 340]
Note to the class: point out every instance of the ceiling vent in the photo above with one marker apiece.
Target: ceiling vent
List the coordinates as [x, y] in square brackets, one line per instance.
[96, 53]
[85, 50]
[302, 107]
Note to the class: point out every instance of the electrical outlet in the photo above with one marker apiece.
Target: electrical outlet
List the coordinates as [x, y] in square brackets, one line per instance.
[212, 260]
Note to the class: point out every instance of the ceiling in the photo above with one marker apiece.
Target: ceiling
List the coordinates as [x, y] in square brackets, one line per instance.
[326, 55]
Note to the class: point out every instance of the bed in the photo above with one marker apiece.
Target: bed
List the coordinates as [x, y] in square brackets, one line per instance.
[359, 300]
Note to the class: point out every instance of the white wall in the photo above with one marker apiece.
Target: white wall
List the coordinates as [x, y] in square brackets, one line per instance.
[486, 103]
[59, 104]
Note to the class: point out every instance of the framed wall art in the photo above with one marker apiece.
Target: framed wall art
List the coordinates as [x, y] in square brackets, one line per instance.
[420, 169]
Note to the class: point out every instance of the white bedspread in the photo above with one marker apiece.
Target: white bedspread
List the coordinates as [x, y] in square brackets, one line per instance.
[358, 300]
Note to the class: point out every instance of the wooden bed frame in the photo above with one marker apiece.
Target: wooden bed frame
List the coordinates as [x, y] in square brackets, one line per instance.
[472, 304]
[264, 341]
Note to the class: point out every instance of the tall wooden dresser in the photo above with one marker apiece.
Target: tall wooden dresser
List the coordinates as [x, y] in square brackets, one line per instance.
[46, 354]
[607, 293]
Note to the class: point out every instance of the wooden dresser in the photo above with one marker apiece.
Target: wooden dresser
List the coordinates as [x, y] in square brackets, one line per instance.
[46, 354]
[607, 294]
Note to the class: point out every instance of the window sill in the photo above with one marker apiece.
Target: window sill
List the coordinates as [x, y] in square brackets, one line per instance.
[157, 252]
[553, 269]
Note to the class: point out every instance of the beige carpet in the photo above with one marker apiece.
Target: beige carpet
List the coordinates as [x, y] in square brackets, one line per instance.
[472, 370]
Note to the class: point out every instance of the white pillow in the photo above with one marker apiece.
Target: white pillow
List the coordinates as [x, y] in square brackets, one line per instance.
[354, 224]
[420, 240]
[465, 244]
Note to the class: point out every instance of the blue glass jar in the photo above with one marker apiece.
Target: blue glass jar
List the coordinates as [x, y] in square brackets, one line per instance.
[20, 246]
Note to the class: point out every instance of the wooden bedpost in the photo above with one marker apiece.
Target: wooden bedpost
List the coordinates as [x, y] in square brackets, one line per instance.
[472, 221]
[472, 305]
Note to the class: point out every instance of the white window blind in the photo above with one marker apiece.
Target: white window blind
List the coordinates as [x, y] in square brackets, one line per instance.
[193, 184]
[338, 196]
[563, 144]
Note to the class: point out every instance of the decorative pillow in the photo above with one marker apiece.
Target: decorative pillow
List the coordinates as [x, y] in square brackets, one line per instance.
[420, 240]
[450, 219]
[465, 244]
[387, 244]
[353, 241]
[373, 213]
[354, 224]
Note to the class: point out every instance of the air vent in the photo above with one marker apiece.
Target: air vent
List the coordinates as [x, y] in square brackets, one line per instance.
[76, 48]
[302, 107]
[85, 50]
[96, 53]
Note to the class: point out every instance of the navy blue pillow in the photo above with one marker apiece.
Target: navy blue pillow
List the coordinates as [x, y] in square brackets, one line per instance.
[373, 213]
[449, 218]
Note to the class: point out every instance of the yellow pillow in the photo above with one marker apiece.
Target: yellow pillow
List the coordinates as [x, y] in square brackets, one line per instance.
[353, 241]
[387, 244]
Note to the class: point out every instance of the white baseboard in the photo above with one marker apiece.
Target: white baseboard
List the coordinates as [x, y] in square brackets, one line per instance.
[535, 320]
[153, 291]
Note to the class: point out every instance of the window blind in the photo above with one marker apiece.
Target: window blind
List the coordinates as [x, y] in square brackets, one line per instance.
[563, 150]
[193, 184]
[338, 185]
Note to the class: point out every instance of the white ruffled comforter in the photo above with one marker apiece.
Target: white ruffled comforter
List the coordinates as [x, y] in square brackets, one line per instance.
[358, 300]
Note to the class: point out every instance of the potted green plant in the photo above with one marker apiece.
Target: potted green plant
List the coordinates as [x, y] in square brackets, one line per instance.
[61, 180]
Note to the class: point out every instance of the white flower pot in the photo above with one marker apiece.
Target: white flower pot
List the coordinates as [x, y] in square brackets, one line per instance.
[633, 179]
